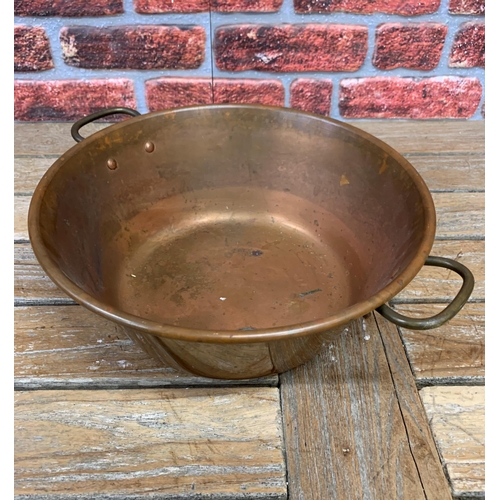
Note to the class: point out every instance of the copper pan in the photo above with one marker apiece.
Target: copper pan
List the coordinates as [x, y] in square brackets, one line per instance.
[233, 241]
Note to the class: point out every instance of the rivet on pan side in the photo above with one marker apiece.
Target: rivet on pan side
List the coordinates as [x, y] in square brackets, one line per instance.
[111, 163]
[149, 147]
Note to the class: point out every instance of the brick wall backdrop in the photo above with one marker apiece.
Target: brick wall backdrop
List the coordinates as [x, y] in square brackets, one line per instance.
[344, 58]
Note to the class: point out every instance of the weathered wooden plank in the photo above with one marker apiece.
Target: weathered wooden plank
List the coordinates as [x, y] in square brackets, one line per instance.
[468, 480]
[459, 215]
[415, 419]
[31, 284]
[48, 138]
[404, 136]
[21, 207]
[28, 171]
[71, 347]
[434, 284]
[450, 354]
[348, 432]
[456, 415]
[447, 172]
[408, 136]
[221, 443]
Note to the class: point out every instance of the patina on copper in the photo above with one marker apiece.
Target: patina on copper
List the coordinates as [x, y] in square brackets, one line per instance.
[232, 240]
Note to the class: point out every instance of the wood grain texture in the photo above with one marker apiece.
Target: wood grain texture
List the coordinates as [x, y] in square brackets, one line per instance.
[459, 215]
[404, 136]
[448, 172]
[433, 284]
[21, 207]
[48, 138]
[407, 136]
[31, 284]
[456, 415]
[450, 354]
[28, 171]
[71, 347]
[353, 429]
[416, 424]
[179, 443]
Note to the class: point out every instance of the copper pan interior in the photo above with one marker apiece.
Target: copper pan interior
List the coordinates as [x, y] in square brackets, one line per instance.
[231, 218]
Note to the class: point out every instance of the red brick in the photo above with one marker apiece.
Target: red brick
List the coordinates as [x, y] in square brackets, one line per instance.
[401, 7]
[310, 47]
[67, 8]
[162, 6]
[311, 95]
[385, 97]
[167, 93]
[466, 7]
[165, 6]
[413, 46]
[246, 5]
[134, 47]
[69, 99]
[31, 49]
[249, 91]
[468, 46]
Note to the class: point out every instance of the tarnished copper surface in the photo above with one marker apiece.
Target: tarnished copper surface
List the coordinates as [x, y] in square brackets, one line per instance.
[234, 258]
[238, 243]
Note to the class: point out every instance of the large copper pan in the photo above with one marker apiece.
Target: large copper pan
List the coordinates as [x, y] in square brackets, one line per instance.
[233, 241]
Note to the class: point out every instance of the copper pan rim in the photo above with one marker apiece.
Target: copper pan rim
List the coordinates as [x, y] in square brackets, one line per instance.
[232, 336]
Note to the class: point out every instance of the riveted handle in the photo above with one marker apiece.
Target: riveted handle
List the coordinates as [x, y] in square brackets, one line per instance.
[75, 129]
[448, 312]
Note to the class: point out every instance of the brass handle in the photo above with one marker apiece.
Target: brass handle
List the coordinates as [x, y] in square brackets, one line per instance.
[448, 312]
[95, 116]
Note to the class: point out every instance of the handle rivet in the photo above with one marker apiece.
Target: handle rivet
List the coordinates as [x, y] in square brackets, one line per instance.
[111, 163]
[149, 147]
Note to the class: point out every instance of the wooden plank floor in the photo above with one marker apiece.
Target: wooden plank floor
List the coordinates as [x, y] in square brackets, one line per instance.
[381, 413]
[162, 443]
